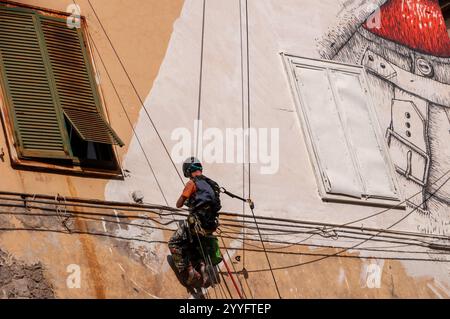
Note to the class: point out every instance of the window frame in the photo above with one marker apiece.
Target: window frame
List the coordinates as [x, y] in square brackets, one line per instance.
[73, 164]
[290, 62]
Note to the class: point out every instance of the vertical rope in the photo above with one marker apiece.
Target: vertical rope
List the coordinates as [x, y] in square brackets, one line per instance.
[249, 147]
[243, 295]
[135, 90]
[128, 118]
[243, 128]
[200, 86]
[249, 123]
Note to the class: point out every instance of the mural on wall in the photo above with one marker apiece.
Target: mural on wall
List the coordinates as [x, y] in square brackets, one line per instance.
[404, 46]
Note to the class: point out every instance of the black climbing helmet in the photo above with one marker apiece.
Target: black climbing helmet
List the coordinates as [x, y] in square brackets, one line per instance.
[191, 165]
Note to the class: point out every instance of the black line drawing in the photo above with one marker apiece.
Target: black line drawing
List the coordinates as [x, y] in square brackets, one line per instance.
[411, 90]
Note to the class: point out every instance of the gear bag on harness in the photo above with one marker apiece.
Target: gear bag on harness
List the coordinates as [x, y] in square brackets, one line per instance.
[206, 204]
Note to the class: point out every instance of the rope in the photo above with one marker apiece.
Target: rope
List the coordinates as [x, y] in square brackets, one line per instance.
[249, 149]
[249, 124]
[411, 241]
[226, 284]
[242, 296]
[232, 279]
[97, 204]
[249, 138]
[243, 127]
[129, 120]
[267, 256]
[135, 90]
[362, 242]
[200, 86]
[204, 258]
[384, 249]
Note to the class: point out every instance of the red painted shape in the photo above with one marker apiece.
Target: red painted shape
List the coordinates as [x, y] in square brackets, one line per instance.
[417, 24]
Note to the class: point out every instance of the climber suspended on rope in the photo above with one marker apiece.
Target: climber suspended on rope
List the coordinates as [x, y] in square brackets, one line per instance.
[194, 248]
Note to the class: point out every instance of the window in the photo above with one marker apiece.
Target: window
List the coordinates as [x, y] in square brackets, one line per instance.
[349, 155]
[53, 103]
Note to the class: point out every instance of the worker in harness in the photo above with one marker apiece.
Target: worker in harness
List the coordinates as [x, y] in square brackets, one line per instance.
[194, 241]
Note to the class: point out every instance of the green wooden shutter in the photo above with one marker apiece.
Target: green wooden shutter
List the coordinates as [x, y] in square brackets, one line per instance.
[37, 120]
[75, 84]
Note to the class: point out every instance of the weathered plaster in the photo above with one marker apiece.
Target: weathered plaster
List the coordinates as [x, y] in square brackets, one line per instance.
[164, 65]
[274, 27]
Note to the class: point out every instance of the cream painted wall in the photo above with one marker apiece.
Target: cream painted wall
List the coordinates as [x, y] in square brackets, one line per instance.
[290, 26]
[165, 67]
[172, 103]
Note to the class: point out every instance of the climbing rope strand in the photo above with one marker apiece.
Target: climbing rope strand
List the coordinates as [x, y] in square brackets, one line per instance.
[249, 124]
[347, 224]
[266, 254]
[200, 84]
[243, 294]
[153, 209]
[128, 119]
[252, 207]
[360, 243]
[135, 90]
[205, 259]
[200, 91]
[232, 279]
[241, 30]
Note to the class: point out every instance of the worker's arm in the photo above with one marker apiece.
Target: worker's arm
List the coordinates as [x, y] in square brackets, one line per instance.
[189, 189]
[180, 201]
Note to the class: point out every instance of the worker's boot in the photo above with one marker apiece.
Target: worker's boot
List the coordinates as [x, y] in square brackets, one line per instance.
[205, 276]
[191, 277]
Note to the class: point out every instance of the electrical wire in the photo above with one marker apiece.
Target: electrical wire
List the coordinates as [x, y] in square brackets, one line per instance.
[247, 83]
[157, 210]
[341, 247]
[353, 247]
[135, 89]
[148, 113]
[343, 235]
[89, 216]
[200, 89]
[242, 294]
[249, 125]
[333, 255]
[395, 206]
[149, 226]
[128, 119]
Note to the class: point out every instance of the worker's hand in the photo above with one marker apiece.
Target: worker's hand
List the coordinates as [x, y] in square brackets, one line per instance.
[181, 201]
[191, 219]
[251, 204]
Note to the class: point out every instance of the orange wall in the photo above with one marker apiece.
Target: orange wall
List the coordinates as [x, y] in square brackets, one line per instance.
[140, 31]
